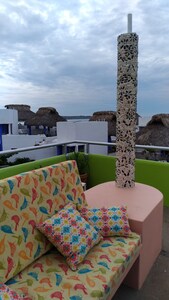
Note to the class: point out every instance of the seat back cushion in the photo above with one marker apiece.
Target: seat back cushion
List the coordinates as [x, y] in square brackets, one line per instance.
[27, 199]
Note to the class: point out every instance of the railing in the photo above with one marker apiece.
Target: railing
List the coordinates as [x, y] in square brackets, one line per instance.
[102, 167]
[86, 143]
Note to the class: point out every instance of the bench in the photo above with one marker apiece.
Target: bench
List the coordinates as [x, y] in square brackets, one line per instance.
[145, 212]
[30, 267]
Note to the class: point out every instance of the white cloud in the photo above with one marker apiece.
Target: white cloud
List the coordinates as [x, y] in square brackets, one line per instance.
[64, 53]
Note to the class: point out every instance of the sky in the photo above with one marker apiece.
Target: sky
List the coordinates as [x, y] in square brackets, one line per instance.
[63, 54]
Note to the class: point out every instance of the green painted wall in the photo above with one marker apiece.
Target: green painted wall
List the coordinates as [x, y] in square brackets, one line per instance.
[17, 169]
[102, 169]
[156, 174]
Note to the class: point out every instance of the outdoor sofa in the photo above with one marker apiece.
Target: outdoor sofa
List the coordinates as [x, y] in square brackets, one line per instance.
[31, 267]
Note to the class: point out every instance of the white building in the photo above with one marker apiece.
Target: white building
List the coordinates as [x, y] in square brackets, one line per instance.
[67, 131]
[8, 123]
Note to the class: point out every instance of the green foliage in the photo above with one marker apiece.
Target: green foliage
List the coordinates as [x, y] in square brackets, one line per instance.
[19, 161]
[81, 160]
[4, 160]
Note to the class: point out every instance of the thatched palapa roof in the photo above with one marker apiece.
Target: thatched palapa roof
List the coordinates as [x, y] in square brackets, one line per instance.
[109, 116]
[45, 116]
[24, 112]
[156, 131]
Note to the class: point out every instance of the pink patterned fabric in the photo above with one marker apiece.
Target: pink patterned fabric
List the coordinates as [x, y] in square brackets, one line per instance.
[70, 234]
[7, 294]
[108, 221]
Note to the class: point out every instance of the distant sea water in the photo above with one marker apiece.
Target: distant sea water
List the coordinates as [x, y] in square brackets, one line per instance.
[78, 120]
[142, 120]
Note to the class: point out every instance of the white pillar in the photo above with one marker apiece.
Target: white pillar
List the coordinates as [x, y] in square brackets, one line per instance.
[9, 128]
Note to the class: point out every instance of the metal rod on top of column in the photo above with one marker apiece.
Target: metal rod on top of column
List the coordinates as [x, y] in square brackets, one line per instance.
[129, 24]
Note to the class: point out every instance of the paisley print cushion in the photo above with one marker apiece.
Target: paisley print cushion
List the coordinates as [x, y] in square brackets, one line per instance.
[108, 221]
[70, 234]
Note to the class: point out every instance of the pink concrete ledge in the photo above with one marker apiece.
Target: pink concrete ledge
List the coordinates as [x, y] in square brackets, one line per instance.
[145, 212]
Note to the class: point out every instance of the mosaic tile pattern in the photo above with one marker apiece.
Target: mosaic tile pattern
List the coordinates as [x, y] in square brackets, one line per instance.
[126, 109]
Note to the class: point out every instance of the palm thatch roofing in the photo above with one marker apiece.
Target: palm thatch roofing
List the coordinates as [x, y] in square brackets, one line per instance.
[156, 131]
[45, 116]
[24, 112]
[109, 116]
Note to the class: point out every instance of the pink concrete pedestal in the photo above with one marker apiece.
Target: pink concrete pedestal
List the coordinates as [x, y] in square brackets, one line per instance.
[145, 212]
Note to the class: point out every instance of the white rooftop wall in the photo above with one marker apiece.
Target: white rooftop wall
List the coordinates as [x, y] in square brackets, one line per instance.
[10, 116]
[67, 131]
[20, 141]
[89, 131]
[143, 121]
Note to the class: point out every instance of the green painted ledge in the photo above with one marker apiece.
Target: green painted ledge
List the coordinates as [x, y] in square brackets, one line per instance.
[156, 174]
[17, 169]
[102, 169]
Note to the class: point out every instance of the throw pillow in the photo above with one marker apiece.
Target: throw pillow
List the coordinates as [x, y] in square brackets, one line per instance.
[71, 234]
[108, 221]
[8, 294]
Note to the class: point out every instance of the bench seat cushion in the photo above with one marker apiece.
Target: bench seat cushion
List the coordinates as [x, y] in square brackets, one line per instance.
[97, 277]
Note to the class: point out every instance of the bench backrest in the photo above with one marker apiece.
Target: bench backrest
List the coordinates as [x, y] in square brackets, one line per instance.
[27, 199]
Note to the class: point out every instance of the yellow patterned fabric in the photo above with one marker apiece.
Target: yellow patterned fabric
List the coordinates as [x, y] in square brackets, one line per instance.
[97, 277]
[70, 234]
[28, 199]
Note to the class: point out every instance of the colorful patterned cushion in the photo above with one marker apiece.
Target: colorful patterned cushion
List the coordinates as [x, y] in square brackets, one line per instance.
[108, 221]
[7, 294]
[97, 277]
[70, 234]
[26, 200]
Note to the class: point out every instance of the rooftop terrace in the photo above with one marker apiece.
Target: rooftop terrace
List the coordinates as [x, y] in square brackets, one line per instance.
[102, 169]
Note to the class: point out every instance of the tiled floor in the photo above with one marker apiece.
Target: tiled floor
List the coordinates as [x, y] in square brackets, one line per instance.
[156, 286]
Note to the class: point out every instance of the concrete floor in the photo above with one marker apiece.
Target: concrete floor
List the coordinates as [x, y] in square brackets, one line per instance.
[156, 286]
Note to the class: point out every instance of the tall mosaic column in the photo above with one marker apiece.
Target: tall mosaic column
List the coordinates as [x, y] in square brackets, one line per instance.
[126, 109]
